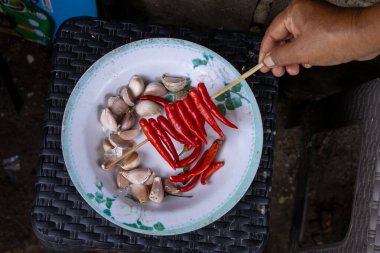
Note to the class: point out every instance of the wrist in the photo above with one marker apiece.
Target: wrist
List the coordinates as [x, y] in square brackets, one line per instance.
[366, 32]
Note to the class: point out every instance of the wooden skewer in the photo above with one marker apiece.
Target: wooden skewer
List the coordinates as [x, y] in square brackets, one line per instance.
[225, 88]
[238, 80]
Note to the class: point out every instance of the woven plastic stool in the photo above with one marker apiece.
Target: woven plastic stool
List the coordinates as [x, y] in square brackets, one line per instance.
[359, 106]
[63, 221]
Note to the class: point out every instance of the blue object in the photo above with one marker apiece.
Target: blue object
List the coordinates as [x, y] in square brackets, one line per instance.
[60, 10]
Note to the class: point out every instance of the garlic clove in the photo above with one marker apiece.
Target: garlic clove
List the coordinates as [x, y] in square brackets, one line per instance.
[157, 191]
[150, 179]
[170, 188]
[174, 83]
[181, 95]
[117, 105]
[139, 175]
[147, 108]
[128, 96]
[129, 134]
[121, 181]
[107, 119]
[107, 146]
[105, 166]
[136, 85]
[140, 192]
[155, 89]
[116, 141]
[131, 162]
[128, 121]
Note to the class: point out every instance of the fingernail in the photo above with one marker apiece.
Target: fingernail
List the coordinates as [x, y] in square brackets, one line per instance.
[306, 65]
[268, 61]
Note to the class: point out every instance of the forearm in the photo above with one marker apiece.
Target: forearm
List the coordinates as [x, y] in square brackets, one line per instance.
[368, 32]
[320, 34]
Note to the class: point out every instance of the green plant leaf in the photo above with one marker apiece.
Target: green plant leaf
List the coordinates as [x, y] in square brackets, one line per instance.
[186, 169]
[138, 222]
[237, 87]
[107, 212]
[90, 195]
[222, 109]
[233, 103]
[99, 185]
[159, 226]
[109, 202]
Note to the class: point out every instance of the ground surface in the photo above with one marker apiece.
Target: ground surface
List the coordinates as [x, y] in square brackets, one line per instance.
[20, 135]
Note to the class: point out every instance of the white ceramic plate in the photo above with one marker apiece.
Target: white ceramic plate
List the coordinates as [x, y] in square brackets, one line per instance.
[82, 135]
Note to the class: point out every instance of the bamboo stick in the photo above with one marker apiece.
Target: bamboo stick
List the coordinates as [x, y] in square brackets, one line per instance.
[220, 92]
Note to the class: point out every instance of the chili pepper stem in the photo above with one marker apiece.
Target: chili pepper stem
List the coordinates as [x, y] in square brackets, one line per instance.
[224, 89]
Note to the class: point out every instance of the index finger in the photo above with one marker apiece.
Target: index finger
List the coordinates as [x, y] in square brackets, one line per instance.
[276, 32]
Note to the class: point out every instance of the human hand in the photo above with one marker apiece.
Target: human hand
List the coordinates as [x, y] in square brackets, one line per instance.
[311, 33]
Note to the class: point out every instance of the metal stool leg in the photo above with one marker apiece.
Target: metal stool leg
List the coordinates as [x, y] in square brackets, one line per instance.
[360, 105]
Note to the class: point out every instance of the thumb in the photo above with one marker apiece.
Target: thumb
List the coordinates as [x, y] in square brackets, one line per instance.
[284, 55]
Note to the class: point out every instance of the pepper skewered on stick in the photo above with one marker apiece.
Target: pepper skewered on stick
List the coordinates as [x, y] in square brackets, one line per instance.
[220, 92]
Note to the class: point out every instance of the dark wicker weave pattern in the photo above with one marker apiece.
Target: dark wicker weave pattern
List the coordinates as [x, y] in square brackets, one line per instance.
[61, 218]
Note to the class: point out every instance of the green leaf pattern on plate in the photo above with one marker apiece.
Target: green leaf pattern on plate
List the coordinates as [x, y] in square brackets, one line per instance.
[202, 61]
[222, 109]
[101, 200]
[106, 203]
[231, 99]
[228, 101]
[138, 224]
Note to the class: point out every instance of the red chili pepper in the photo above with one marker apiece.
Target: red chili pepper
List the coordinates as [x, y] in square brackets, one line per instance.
[158, 100]
[191, 158]
[156, 142]
[212, 107]
[165, 124]
[165, 138]
[199, 120]
[205, 111]
[213, 167]
[187, 176]
[188, 120]
[178, 125]
[190, 185]
[211, 153]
